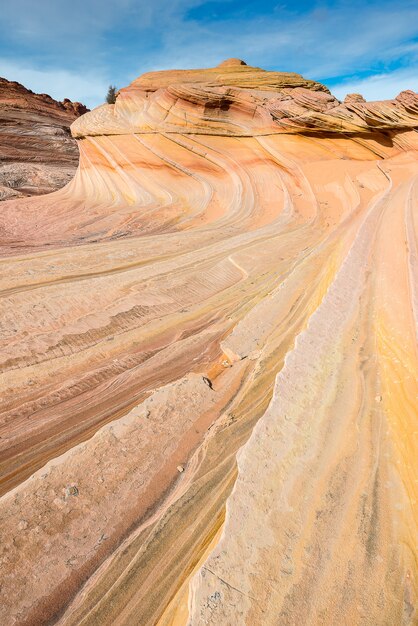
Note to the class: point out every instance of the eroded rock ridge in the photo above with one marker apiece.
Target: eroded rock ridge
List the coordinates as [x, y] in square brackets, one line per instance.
[37, 153]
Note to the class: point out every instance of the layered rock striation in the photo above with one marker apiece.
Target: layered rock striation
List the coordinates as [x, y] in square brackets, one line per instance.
[209, 362]
[238, 100]
[37, 153]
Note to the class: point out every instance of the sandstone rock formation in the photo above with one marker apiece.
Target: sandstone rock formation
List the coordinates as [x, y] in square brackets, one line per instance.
[37, 153]
[209, 362]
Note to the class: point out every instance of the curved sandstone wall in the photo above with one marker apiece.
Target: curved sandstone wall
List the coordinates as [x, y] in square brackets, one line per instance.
[209, 362]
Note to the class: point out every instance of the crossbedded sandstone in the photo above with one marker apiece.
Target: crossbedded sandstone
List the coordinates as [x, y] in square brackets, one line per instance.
[209, 362]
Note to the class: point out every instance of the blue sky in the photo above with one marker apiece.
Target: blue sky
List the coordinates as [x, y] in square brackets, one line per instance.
[75, 48]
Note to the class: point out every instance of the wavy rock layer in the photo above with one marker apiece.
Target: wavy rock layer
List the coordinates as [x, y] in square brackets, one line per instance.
[209, 362]
[37, 153]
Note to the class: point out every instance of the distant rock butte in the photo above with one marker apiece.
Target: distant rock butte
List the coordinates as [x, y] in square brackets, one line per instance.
[37, 153]
[15, 95]
[208, 359]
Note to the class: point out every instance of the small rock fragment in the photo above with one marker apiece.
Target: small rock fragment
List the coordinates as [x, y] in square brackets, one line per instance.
[208, 382]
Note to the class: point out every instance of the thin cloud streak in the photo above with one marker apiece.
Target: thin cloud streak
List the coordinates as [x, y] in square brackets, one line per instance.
[89, 89]
[380, 86]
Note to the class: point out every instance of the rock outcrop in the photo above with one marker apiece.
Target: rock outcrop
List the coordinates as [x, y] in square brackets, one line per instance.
[209, 362]
[37, 153]
[237, 101]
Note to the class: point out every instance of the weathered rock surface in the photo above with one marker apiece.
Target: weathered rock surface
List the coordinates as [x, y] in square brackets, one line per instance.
[209, 362]
[238, 100]
[37, 153]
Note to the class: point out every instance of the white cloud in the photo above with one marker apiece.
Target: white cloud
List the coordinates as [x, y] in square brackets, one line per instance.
[380, 86]
[86, 44]
[90, 89]
[51, 20]
[324, 46]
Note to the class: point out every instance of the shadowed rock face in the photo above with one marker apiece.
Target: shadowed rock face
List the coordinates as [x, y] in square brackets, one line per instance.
[37, 153]
[209, 362]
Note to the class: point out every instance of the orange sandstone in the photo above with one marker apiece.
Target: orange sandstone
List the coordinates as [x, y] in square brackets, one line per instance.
[215, 320]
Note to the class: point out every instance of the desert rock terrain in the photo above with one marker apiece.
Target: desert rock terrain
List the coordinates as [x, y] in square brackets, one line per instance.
[209, 362]
[37, 152]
